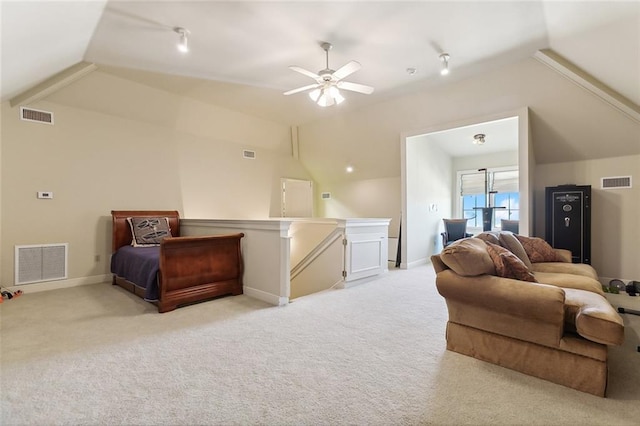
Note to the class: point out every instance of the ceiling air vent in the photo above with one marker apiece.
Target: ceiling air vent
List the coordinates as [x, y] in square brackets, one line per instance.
[30, 114]
[325, 195]
[616, 182]
[251, 155]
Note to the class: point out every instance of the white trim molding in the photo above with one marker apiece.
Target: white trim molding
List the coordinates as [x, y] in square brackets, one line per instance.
[588, 82]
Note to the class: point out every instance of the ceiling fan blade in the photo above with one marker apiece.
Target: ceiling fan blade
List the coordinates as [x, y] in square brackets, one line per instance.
[302, 89]
[347, 69]
[305, 72]
[355, 87]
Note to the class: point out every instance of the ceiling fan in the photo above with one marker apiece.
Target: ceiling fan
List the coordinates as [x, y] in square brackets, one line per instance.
[325, 91]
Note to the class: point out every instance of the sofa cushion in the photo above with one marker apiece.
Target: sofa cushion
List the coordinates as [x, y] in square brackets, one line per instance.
[538, 249]
[508, 265]
[569, 281]
[489, 237]
[594, 317]
[468, 257]
[566, 268]
[509, 241]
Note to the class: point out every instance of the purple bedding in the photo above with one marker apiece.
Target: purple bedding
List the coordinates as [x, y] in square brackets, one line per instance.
[140, 265]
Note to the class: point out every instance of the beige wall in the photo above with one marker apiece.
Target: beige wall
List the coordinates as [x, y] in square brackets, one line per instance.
[614, 214]
[361, 198]
[98, 158]
[428, 182]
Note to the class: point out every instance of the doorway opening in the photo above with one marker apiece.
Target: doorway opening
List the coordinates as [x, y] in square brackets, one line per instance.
[431, 162]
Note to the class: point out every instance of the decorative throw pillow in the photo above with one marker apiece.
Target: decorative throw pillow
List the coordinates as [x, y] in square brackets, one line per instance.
[538, 249]
[468, 257]
[509, 241]
[148, 231]
[508, 265]
[489, 237]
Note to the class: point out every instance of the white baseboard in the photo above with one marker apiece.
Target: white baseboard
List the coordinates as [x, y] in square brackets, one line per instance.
[58, 284]
[265, 297]
[415, 263]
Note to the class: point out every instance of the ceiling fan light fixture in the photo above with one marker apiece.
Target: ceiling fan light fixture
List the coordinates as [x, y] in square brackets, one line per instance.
[326, 91]
[327, 96]
[314, 95]
[183, 43]
[445, 64]
[478, 139]
[335, 93]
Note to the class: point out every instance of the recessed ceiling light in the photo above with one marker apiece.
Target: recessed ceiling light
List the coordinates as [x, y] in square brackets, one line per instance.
[349, 169]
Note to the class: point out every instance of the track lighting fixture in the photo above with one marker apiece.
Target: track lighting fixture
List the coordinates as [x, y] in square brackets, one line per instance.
[183, 43]
[445, 64]
[478, 139]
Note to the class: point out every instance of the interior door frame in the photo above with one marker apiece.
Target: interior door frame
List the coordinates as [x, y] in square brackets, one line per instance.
[283, 182]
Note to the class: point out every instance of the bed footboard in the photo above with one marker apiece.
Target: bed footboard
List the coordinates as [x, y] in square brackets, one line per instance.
[198, 268]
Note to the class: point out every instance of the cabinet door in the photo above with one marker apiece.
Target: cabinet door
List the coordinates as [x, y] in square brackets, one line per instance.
[365, 255]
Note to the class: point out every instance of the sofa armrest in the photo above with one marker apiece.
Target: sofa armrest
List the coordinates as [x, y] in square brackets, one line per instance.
[563, 254]
[519, 309]
[519, 298]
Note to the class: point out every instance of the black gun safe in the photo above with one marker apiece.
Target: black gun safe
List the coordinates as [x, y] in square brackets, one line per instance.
[568, 220]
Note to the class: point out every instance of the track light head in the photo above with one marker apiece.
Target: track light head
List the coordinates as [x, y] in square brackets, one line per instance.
[444, 57]
[183, 43]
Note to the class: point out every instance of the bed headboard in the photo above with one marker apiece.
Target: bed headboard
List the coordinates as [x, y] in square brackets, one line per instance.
[122, 231]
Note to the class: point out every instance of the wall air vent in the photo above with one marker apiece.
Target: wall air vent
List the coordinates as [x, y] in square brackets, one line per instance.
[616, 182]
[325, 195]
[30, 114]
[43, 262]
[251, 155]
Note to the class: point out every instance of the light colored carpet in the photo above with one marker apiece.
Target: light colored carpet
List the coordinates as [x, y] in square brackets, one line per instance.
[373, 354]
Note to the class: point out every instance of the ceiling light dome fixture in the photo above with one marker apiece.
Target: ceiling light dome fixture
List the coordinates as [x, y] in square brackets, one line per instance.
[445, 64]
[183, 43]
[478, 139]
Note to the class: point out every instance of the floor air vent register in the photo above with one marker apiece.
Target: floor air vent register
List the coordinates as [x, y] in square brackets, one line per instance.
[38, 263]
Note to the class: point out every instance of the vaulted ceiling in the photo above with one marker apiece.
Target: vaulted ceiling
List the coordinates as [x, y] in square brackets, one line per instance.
[240, 51]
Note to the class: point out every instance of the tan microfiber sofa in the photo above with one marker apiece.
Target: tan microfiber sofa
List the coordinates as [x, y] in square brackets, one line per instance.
[556, 329]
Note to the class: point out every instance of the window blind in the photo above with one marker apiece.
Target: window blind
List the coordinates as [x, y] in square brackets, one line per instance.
[501, 181]
[506, 181]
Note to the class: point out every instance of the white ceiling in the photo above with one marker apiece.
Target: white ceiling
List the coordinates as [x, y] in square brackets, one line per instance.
[253, 43]
[240, 51]
[500, 136]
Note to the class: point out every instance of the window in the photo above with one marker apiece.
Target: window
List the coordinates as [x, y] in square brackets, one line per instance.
[502, 185]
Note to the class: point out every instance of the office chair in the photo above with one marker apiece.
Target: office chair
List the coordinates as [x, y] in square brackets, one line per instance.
[454, 229]
[510, 225]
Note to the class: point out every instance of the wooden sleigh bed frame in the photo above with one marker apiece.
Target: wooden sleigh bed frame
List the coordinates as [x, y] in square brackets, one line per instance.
[192, 269]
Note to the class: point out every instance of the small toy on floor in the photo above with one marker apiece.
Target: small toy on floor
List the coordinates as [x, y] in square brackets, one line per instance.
[633, 288]
[6, 294]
